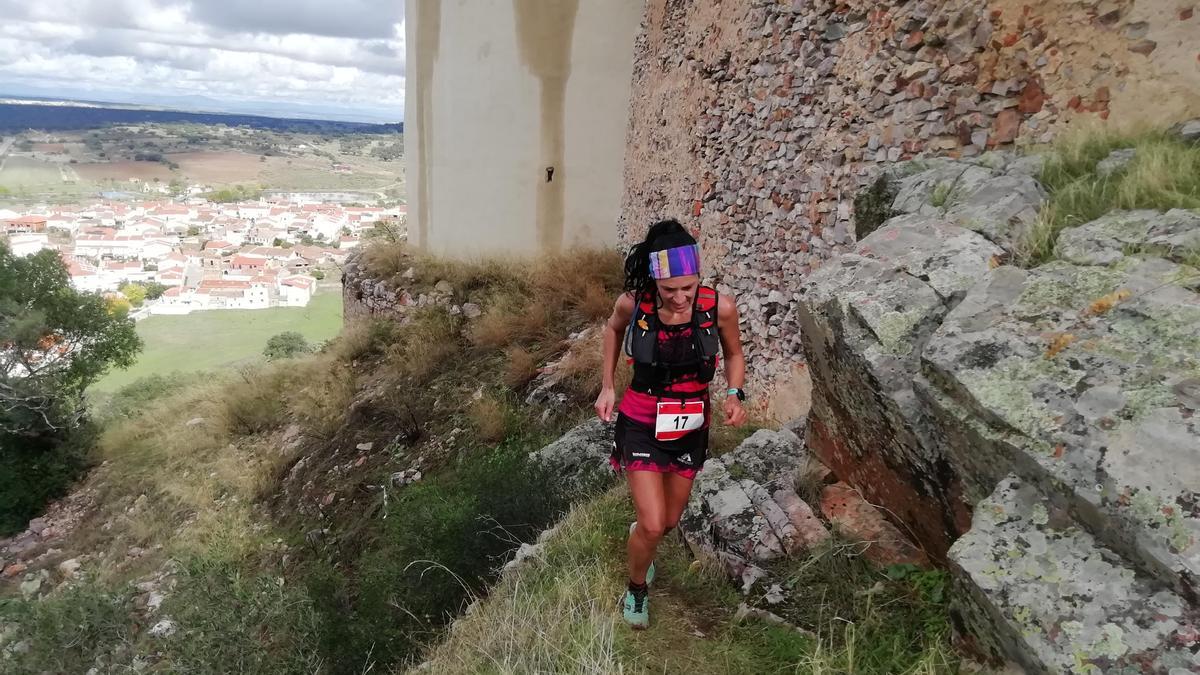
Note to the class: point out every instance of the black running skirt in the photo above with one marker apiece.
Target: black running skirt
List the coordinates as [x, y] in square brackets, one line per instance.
[636, 449]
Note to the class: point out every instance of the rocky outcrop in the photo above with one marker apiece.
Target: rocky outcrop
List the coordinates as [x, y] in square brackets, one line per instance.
[866, 317]
[744, 510]
[1034, 428]
[365, 295]
[580, 457]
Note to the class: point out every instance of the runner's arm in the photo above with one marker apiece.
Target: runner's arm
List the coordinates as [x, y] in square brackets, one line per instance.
[735, 361]
[614, 331]
[731, 341]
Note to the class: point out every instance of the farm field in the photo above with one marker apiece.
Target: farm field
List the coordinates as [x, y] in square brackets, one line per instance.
[218, 168]
[123, 170]
[28, 176]
[223, 339]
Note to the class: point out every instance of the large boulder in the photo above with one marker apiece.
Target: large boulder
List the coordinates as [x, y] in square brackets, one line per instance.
[580, 457]
[744, 509]
[865, 317]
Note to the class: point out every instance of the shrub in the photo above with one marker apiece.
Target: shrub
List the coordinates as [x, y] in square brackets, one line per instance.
[441, 545]
[286, 345]
[130, 400]
[273, 629]
[66, 632]
[37, 469]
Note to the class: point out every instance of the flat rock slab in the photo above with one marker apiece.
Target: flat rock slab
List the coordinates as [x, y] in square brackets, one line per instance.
[1090, 374]
[992, 195]
[861, 522]
[1047, 592]
[1173, 235]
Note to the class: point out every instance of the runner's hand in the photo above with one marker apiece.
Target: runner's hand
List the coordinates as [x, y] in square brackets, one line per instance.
[735, 415]
[604, 404]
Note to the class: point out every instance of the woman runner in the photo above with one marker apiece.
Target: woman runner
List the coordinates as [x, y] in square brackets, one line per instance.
[674, 331]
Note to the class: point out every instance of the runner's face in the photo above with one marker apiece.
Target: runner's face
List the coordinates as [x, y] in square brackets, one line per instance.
[678, 293]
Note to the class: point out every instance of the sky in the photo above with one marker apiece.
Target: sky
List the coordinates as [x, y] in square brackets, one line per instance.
[331, 59]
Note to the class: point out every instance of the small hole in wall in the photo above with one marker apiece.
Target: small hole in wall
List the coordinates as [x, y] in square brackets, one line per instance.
[549, 174]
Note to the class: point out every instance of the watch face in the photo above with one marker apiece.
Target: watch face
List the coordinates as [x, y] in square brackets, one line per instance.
[741, 395]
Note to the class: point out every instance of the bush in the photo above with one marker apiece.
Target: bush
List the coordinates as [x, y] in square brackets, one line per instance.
[66, 632]
[272, 630]
[441, 545]
[286, 345]
[35, 470]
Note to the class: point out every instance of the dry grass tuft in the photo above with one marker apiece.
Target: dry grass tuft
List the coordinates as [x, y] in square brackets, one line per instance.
[363, 338]
[426, 345]
[387, 260]
[520, 366]
[489, 416]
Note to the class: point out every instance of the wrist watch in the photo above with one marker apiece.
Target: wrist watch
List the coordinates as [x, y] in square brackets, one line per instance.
[734, 391]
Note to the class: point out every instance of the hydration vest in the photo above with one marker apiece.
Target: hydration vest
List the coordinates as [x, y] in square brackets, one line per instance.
[641, 340]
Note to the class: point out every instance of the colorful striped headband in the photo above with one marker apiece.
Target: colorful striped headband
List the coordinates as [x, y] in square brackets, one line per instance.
[675, 262]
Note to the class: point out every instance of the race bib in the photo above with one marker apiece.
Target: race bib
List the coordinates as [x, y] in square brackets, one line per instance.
[677, 419]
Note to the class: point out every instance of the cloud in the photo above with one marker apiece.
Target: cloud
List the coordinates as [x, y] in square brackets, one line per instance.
[346, 57]
[344, 18]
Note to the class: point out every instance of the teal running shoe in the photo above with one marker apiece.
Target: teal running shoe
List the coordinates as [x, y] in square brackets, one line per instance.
[649, 570]
[635, 609]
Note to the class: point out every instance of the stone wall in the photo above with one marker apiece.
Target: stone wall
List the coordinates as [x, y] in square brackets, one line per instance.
[757, 121]
[365, 296]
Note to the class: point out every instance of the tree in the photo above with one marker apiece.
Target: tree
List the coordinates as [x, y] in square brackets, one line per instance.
[285, 345]
[134, 293]
[319, 275]
[154, 290]
[54, 342]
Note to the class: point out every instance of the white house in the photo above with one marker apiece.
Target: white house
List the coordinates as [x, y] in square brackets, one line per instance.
[179, 300]
[84, 277]
[235, 294]
[296, 290]
[98, 245]
[27, 244]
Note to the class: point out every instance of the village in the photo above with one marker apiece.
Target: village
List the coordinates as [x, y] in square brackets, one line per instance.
[196, 255]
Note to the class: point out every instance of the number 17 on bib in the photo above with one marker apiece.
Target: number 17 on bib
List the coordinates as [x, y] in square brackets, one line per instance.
[676, 419]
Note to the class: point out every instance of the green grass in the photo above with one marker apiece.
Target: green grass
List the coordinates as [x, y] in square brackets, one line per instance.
[1164, 174]
[224, 338]
[558, 613]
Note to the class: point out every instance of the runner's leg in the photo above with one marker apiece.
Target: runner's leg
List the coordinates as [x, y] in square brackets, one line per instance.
[649, 502]
[676, 490]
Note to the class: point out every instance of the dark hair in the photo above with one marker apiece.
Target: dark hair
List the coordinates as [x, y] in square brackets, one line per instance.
[662, 235]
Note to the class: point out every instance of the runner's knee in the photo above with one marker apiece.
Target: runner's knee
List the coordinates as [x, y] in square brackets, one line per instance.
[652, 530]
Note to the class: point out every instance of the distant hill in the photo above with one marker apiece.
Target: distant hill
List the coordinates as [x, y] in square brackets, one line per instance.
[20, 117]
